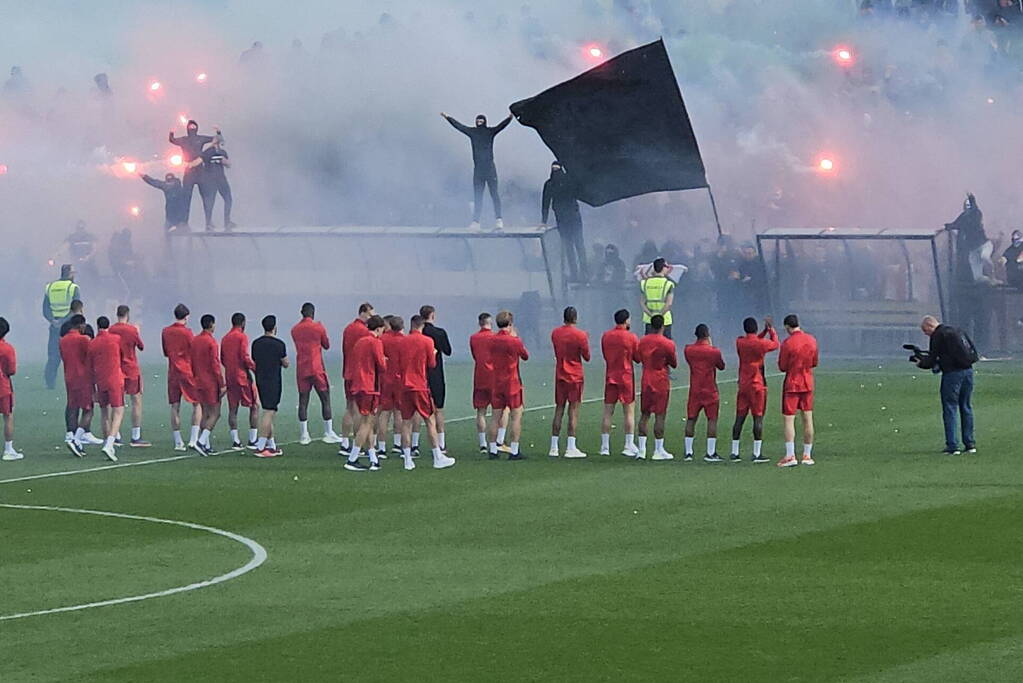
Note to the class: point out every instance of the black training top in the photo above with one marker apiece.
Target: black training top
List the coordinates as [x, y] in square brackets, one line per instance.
[443, 346]
[267, 354]
[482, 140]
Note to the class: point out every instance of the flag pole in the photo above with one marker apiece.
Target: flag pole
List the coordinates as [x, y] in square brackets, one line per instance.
[714, 207]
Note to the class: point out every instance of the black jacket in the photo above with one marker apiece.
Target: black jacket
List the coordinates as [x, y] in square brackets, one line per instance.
[559, 192]
[443, 346]
[175, 202]
[191, 145]
[945, 352]
[482, 140]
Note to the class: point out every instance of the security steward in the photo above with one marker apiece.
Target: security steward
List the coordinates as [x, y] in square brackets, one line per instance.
[658, 293]
[56, 308]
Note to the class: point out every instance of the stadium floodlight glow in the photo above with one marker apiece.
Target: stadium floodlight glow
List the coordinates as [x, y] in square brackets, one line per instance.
[843, 56]
[175, 160]
[129, 166]
[201, 77]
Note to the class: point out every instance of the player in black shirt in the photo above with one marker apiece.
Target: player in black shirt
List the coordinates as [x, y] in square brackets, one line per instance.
[270, 355]
[435, 375]
[484, 170]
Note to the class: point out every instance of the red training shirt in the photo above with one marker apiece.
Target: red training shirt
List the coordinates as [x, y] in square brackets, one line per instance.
[417, 355]
[234, 354]
[206, 361]
[311, 340]
[352, 333]
[797, 360]
[130, 341]
[177, 347]
[505, 353]
[657, 353]
[8, 367]
[751, 349]
[367, 365]
[571, 348]
[704, 362]
[105, 361]
[74, 351]
[620, 349]
[392, 342]
[483, 371]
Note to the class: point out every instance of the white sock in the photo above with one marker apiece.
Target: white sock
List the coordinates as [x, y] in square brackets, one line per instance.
[514, 447]
[69, 436]
[397, 439]
[178, 441]
[136, 433]
[689, 445]
[328, 427]
[658, 445]
[381, 446]
[757, 445]
[501, 431]
[712, 445]
[79, 433]
[118, 436]
[345, 443]
[555, 445]
[492, 448]
[194, 434]
[440, 441]
[630, 439]
[642, 445]
[303, 428]
[204, 438]
[260, 443]
[735, 447]
[415, 439]
[406, 454]
[571, 443]
[483, 439]
[790, 449]
[234, 436]
[605, 442]
[109, 443]
[807, 449]
[271, 443]
[8, 446]
[353, 455]
[373, 457]
[253, 435]
[437, 454]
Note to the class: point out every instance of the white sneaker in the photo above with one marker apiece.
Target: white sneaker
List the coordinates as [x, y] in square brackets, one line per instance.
[630, 451]
[331, 437]
[9, 456]
[442, 462]
[662, 455]
[109, 452]
[475, 225]
[499, 224]
[92, 440]
[180, 448]
[305, 440]
[410, 465]
[574, 453]
[640, 455]
[553, 453]
[605, 451]
[807, 460]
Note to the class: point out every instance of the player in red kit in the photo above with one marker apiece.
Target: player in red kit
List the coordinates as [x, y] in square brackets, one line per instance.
[367, 366]
[704, 361]
[797, 360]
[311, 341]
[571, 348]
[752, 394]
[657, 354]
[620, 348]
[482, 376]
[391, 384]
[241, 392]
[105, 361]
[209, 380]
[74, 352]
[176, 340]
[506, 350]
[353, 331]
[131, 341]
[418, 354]
[8, 368]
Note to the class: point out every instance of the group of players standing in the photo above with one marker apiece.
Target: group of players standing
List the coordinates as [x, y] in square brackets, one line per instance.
[393, 379]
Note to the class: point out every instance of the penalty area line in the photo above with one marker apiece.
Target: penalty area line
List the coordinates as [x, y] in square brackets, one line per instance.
[67, 473]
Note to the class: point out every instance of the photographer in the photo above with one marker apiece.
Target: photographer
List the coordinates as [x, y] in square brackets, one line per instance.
[953, 354]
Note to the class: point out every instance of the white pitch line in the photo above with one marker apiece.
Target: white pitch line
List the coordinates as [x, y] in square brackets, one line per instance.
[67, 473]
[258, 557]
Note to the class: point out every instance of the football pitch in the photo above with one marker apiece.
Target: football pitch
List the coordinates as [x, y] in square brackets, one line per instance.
[885, 562]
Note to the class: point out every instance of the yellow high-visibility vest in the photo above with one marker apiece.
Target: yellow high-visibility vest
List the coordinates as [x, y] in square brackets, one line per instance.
[655, 292]
[60, 294]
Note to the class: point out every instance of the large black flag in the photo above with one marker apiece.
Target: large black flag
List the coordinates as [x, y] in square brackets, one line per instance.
[621, 129]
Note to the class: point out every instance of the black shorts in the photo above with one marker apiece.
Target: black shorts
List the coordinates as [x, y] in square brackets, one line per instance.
[269, 395]
[438, 391]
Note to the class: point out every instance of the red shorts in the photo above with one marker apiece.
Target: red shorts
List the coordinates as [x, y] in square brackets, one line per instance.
[367, 403]
[751, 400]
[481, 398]
[241, 395]
[318, 382]
[207, 394]
[112, 399]
[413, 402]
[133, 387]
[567, 392]
[390, 399]
[501, 399]
[696, 404]
[79, 398]
[619, 393]
[653, 402]
[7, 404]
[178, 388]
[793, 401]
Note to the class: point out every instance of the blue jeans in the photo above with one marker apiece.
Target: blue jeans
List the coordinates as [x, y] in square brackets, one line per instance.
[956, 391]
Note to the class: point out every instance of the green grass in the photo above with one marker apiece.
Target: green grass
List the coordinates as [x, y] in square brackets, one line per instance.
[885, 562]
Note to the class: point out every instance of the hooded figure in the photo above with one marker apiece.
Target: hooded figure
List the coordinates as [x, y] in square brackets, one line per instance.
[175, 206]
[559, 192]
[191, 147]
[484, 170]
[1014, 261]
[971, 242]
